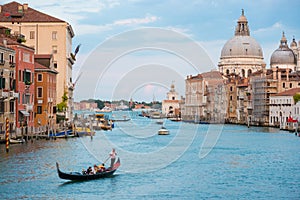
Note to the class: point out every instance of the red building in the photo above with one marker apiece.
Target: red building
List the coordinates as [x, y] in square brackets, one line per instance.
[45, 92]
[24, 86]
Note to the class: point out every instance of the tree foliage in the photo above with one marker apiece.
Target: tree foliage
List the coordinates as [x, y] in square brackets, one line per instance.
[62, 106]
[296, 97]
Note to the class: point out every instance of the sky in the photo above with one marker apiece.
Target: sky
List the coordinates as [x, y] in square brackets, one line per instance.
[137, 48]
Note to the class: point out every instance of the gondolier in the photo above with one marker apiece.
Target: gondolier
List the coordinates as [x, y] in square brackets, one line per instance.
[112, 156]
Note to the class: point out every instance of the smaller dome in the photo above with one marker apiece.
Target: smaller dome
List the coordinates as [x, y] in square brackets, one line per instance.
[283, 55]
[293, 43]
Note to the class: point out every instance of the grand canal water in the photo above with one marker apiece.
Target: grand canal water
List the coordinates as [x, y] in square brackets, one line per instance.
[244, 163]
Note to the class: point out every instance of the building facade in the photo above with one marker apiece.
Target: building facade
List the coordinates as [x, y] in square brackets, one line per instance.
[283, 110]
[47, 35]
[24, 86]
[8, 94]
[170, 106]
[45, 93]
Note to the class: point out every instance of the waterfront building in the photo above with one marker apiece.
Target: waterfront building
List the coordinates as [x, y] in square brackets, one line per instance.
[195, 98]
[47, 35]
[8, 94]
[45, 93]
[242, 54]
[24, 63]
[283, 110]
[85, 105]
[201, 103]
[212, 109]
[170, 106]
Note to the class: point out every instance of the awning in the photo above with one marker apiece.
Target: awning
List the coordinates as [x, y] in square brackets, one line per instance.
[24, 112]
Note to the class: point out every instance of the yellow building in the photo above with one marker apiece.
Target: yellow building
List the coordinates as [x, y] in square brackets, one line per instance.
[47, 35]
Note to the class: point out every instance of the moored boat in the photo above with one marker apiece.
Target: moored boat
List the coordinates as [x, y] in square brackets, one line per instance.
[16, 141]
[84, 131]
[77, 176]
[62, 134]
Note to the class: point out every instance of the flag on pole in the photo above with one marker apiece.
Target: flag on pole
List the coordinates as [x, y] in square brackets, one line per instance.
[77, 49]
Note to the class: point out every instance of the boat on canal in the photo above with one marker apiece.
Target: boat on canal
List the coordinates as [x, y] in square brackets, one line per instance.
[163, 131]
[62, 134]
[77, 176]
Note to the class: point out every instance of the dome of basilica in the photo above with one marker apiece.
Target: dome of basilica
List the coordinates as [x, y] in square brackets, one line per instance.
[283, 55]
[242, 44]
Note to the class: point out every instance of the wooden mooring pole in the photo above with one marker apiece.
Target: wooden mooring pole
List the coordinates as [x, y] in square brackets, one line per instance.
[7, 136]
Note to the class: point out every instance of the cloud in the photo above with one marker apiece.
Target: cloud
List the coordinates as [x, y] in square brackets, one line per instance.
[136, 21]
[276, 26]
[83, 29]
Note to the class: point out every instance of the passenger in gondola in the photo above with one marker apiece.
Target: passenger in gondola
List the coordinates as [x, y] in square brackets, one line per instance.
[83, 172]
[95, 169]
[101, 168]
[89, 170]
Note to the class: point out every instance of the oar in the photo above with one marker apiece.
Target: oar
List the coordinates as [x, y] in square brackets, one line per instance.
[106, 159]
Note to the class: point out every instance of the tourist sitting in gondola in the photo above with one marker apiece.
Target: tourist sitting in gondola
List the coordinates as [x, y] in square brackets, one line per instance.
[95, 169]
[89, 171]
[101, 168]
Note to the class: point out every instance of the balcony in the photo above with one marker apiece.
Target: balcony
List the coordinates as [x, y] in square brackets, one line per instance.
[27, 82]
[29, 107]
[4, 94]
[12, 64]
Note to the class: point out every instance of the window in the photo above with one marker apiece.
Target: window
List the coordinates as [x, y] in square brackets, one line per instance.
[27, 77]
[12, 106]
[2, 82]
[39, 77]
[54, 49]
[32, 34]
[39, 110]
[20, 75]
[39, 92]
[2, 58]
[26, 99]
[54, 35]
[283, 85]
[11, 59]
[26, 57]
[55, 65]
[1, 106]
[291, 85]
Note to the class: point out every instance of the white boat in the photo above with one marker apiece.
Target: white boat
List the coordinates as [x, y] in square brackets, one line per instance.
[163, 131]
[160, 121]
[16, 141]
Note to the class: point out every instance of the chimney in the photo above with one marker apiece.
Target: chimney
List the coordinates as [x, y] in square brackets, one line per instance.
[20, 9]
[25, 6]
[0, 8]
[5, 43]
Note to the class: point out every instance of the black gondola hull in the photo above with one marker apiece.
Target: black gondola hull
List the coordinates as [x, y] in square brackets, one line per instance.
[76, 176]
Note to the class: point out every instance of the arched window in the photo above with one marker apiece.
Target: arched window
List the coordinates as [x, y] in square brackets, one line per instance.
[249, 72]
[243, 73]
[227, 72]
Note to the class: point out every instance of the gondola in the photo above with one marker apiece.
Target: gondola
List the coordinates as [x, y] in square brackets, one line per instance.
[77, 176]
